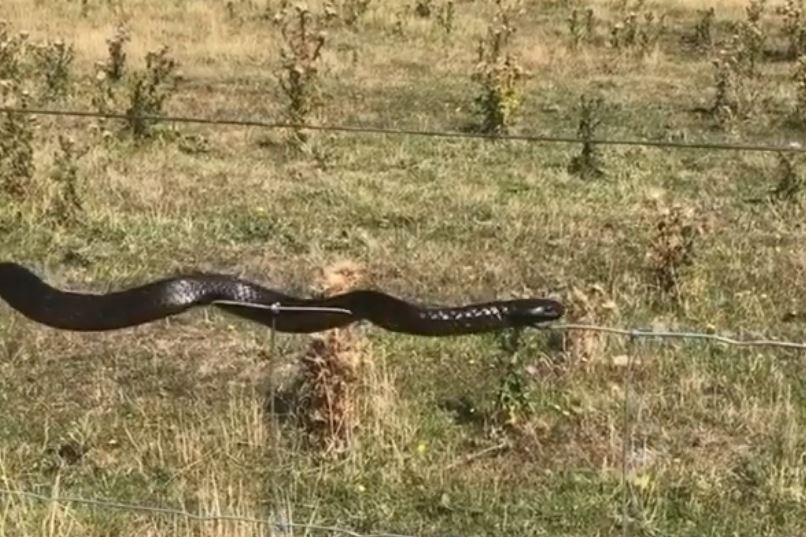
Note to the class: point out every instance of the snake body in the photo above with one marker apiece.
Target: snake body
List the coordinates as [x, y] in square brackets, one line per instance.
[27, 293]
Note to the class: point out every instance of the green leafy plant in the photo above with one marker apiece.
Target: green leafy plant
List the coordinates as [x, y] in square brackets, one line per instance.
[737, 91]
[303, 39]
[749, 38]
[145, 93]
[799, 77]
[16, 130]
[704, 29]
[54, 61]
[498, 75]
[513, 398]
[65, 207]
[149, 91]
[728, 82]
[115, 65]
[423, 8]
[16, 152]
[638, 30]
[794, 27]
[589, 163]
[13, 49]
[103, 98]
[790, 182]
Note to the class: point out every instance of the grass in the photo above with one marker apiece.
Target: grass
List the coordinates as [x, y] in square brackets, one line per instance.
[175, 413]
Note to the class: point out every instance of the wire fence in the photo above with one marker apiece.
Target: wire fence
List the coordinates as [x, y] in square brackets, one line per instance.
[791, 147]
[280, 527]
[663, 334]
[286, 528]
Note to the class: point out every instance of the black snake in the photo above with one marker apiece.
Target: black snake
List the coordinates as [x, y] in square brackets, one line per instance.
[30, 295]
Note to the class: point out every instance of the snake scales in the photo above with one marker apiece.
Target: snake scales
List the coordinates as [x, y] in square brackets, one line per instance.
[31, 296]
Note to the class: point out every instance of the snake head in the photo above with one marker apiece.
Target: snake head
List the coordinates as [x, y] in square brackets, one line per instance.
[529, 312]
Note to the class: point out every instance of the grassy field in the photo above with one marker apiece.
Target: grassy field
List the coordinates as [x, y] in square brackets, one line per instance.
[452, 436]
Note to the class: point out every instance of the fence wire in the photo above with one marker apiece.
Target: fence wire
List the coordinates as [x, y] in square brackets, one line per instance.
[664, 334]
[792, 147]
[282, 527]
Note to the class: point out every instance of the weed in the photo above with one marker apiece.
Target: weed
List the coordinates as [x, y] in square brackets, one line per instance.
[790, 182]
[303, 40]
[13, 49]
[498, 75]
[330, 12]
[146, 93]
[398, 23]
[149, 90]
[102, 93]
[66, 205]
[16, 152]
[230, 7]
[754, 11]
[736, 94]
[445, 17]
[749, 38]
[423, 8]
[513, 401]
[102, 96]
[671, 247]
[582, 27]
[575, 28]
[728, 81]
[16, 130]
[116, 62]
[650, 33]
[800, 89]
[54, 61]
[639, 29]
[588, 164]
[794, 27]
[704, 29]
[353, 10]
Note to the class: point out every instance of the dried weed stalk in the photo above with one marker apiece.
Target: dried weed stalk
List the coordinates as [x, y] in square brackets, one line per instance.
[331, 372]
[671, 248]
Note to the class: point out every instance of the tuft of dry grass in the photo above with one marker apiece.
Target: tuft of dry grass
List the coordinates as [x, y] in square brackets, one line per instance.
[331, 368]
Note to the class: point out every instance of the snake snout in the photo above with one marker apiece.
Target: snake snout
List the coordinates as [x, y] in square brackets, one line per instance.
[552, 309]
[544, 310]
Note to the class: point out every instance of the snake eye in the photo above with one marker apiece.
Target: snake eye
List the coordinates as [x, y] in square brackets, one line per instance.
[549, 309]
[536, 311]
